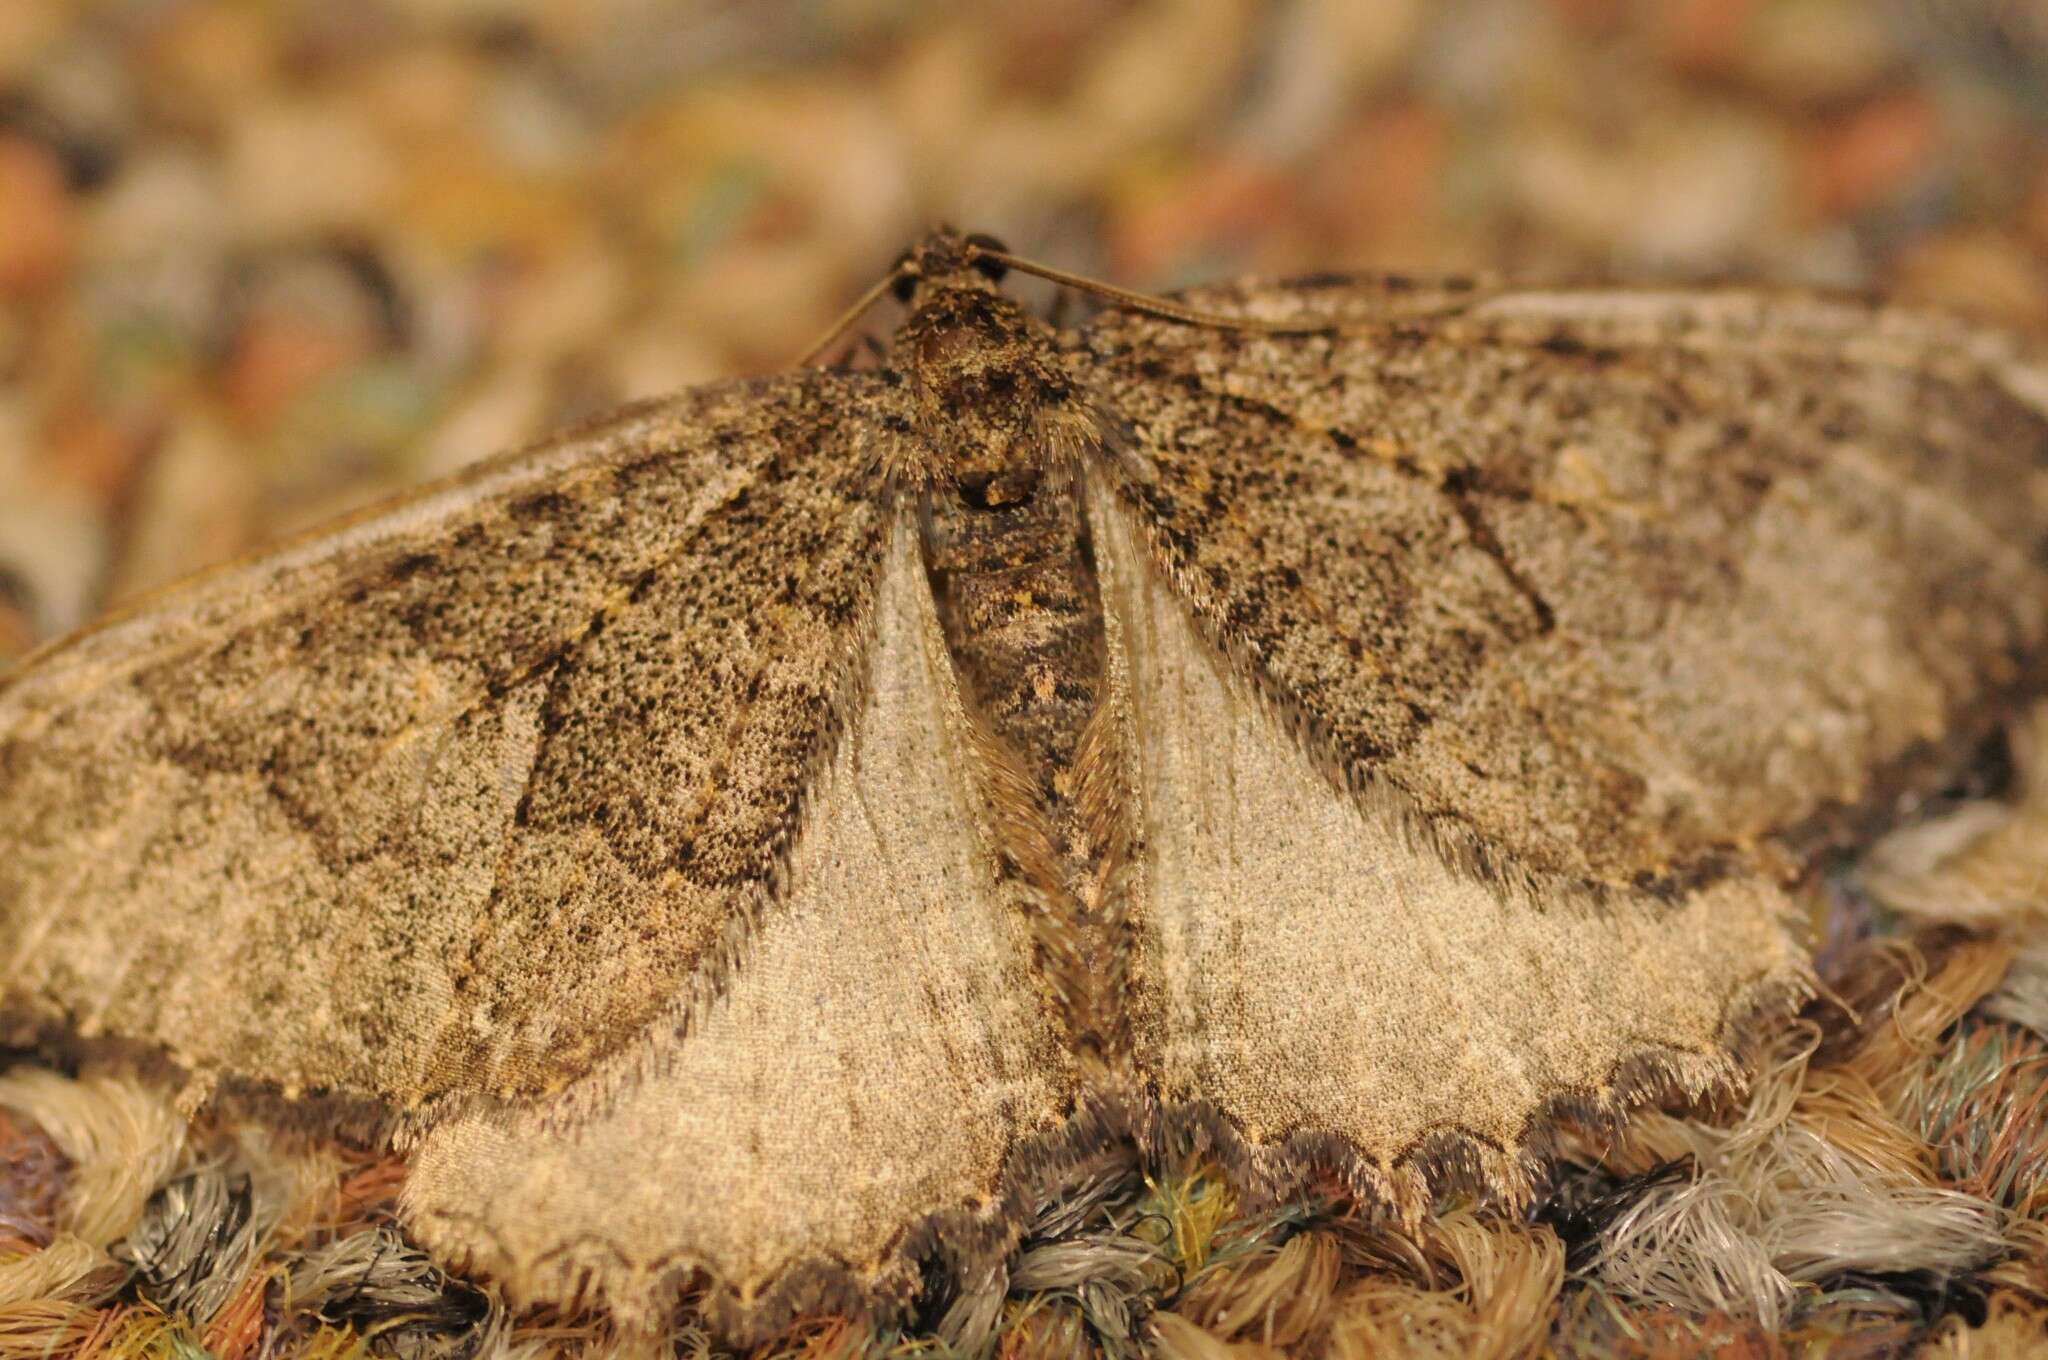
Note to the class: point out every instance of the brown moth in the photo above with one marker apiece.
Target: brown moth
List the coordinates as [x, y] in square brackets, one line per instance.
[756, 843]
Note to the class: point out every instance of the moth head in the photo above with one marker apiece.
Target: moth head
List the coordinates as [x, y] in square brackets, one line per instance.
[948, 259]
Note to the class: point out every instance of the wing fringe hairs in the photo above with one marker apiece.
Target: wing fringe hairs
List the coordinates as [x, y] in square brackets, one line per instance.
[1317, 1277]
[1469, 1284]
[971, 1245]
[1450, 701]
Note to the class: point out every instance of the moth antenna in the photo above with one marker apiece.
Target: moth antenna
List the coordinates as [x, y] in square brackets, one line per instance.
[848, 317]
[1146, 302]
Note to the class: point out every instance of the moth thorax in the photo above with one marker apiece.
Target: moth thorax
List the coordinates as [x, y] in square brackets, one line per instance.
[986, 384]
[994, 488]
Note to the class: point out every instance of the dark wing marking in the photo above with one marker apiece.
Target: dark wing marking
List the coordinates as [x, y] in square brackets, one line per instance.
[457, 795]
[1606, 584]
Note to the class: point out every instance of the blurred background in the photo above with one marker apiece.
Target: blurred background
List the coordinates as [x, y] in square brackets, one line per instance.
[260, 259]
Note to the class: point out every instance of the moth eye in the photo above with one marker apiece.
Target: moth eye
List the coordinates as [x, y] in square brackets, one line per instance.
[903, 284]
[992, 270]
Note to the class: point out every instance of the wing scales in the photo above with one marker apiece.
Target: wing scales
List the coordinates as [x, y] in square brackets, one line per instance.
[283, 791]
[1616, 600]
[1314, 972]
[874, 1067]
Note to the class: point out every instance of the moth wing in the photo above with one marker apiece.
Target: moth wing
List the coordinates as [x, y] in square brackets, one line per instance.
[1309, 968]
[1723, 567]
[459, 795]
[1488, 671]
[859, 1093]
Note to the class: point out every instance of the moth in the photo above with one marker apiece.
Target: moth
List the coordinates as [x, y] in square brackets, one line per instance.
[757, 843]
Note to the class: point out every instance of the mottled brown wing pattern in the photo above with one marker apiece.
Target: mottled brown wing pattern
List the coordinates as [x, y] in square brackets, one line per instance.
[872, 1070]
[460, 797]
[1341, 996]
[1605, 585]
[1618, 597]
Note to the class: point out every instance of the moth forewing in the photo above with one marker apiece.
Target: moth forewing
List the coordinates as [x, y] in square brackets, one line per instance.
[1614, 612]
[456, 801]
